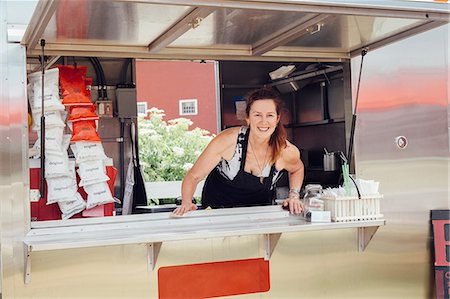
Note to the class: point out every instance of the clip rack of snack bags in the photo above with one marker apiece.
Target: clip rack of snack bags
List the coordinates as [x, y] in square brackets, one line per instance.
[81, 185]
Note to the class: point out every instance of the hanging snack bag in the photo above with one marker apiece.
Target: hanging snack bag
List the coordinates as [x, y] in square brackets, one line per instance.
[73, 85]
[51, 91]
[52, 119]
[72, 207]
[56, 166]
[62, 188]
[88, 151]
[78, 113]
[53, 141]
[98, 194]
[85, 130]
[92, 172]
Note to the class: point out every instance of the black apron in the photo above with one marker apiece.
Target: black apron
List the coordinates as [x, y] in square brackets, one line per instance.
[243, 191]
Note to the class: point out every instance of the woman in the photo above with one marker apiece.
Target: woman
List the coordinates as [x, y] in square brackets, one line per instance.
[243, 164]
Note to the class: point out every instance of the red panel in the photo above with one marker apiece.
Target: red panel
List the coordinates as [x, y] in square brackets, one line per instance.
[40, 211]
[163, 83]
[217, 279]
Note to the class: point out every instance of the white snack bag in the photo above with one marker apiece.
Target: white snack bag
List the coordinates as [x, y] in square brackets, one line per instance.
[53, 141]
[98, 194]
[72, 207]
[88, 151]
[66, 142]
[92, 172]
[56, 166]
[62, 188]
[51, 90]
[52, 119]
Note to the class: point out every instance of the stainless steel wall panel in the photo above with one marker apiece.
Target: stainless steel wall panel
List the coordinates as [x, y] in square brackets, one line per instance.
[14, 182]
[15, 212]
[404, 91]
[14, 178]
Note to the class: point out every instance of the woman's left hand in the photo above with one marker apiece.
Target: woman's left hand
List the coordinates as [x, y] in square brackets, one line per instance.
[294, 204]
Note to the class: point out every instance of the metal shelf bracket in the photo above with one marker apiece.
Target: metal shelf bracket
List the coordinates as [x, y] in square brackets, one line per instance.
[270, 242]
[365, 234]
[27, 268]
[152, 255]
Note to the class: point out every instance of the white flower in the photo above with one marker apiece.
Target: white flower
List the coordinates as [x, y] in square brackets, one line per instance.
[180, 121]
[155, 137]
[179, 151]
[155, 110]
[187, 166]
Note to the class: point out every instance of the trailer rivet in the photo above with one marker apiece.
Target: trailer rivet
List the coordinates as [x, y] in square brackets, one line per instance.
[401, 142]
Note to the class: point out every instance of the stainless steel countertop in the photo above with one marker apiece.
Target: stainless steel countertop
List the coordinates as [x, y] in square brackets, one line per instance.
[162, 227]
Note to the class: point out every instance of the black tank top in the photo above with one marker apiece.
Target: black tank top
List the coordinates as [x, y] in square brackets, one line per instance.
[241, 189]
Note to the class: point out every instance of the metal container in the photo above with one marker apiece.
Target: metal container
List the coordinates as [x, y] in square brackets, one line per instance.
[330, 161]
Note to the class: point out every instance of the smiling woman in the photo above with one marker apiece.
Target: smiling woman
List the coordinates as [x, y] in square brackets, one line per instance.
[243, 164]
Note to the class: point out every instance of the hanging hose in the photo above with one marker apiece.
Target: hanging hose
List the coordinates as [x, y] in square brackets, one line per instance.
[102, 75]
[42, 176]
[352, 130]
[124, 71]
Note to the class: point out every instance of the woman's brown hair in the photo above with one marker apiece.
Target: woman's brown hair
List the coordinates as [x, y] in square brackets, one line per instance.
[277, 141]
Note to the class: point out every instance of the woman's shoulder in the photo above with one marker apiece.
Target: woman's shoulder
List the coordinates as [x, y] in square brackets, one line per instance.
[228, 135]
[225, 142]
[290, 152]
[231, 132]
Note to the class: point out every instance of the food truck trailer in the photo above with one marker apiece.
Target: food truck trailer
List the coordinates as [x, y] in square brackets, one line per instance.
[385, 62]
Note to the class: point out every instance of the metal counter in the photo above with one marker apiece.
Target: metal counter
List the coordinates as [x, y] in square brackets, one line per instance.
[154, 229]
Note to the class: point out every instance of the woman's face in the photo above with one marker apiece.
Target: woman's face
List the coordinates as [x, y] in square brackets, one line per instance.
[263, 118]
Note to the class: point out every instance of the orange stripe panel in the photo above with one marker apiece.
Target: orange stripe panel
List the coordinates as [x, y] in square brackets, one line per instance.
[217, 279]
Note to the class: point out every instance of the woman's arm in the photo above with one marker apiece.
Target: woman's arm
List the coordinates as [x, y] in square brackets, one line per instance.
[206, 162]
[294, 165]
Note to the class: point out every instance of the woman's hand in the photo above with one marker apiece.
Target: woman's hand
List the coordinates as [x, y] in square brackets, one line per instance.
[184, 208]
[294, 205]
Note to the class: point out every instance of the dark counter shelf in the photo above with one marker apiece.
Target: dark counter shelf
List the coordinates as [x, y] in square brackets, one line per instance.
[316, 123]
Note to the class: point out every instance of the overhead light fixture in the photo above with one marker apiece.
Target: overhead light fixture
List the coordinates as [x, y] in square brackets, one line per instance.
[288, 87]
[282, 72]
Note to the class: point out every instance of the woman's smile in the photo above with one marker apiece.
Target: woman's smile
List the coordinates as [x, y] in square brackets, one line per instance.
[263, 117]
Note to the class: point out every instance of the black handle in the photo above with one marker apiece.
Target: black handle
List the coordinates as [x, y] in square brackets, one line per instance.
[42, 176]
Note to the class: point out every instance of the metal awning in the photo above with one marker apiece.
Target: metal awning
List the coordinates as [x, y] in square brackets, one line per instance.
[227, 30]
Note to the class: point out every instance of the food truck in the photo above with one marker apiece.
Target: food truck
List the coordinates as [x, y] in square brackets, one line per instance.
[369, 79]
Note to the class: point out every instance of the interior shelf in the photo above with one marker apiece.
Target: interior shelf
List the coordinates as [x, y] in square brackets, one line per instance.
[316, 123]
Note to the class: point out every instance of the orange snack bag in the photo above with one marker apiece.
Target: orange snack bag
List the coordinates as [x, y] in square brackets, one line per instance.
[79, 113]
[73, 85]
[76, 99]
[85, 130]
